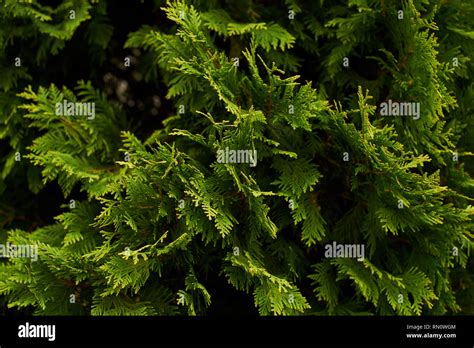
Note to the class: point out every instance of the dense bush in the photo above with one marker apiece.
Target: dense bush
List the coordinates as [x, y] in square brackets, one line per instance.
[118, 126]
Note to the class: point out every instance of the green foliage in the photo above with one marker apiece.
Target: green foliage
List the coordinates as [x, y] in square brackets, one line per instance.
[160, 213]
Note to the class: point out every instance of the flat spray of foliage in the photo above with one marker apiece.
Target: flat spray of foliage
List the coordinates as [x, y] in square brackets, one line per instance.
[159, 213]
